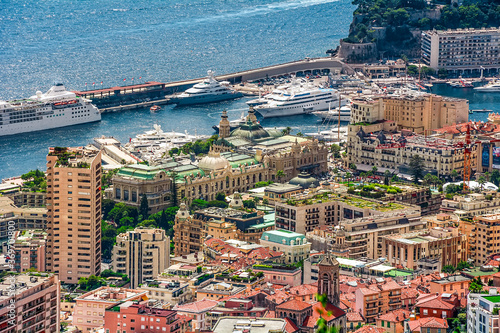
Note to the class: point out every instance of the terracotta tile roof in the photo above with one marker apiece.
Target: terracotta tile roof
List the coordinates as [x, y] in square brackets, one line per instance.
[366, 291]
[294, 305]
[197, 307]
[290, 326]
[390, 285]
[270, 314]
[278, 297]
[304, 290]
[395, 316]
[409, 293]
[354, 316]
[429, 322]
[434, 303]
[370, 329]
[311, 320]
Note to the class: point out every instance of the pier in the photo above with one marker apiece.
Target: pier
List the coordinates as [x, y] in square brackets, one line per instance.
[145, 95]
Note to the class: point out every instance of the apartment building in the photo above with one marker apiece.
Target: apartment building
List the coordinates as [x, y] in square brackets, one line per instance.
[429, 202]
[74, 212]
[23, 218]
[294, 246]
[28, 199]
[36, 303]
[470, 205]
[372, 145]
[462, 49]
[90, 308]
[445, 244]
[141, 254]
[485, 239]
[168, 292]
[29, 249]
[198, 312]
[135, 180]
[423, 113]
[482, 312]
[136, 316]
[305, 213]
[377, 299]
[363, 237]
[221, 223]
[367, 110]
[280, 274]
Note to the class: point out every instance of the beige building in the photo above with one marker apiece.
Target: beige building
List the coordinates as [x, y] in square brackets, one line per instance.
[89, 310]
[485, 238]
[367, 109]
[305, 213]
[294, 246]
[133, 181]
[36, 304]
[372, 145]
[28, 199]
[376, 299]
[23, 218]
[188, 232]
[362, 237]
[141, 254]
[470, 205]
[74, 213]
[29, 248]
[445, 244]
[170, 293]
[462, 50]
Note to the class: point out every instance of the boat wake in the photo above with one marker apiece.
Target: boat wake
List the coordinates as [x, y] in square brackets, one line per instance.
[261, 10]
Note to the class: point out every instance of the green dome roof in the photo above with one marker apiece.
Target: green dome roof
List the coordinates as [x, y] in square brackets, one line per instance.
[304, 180]
[250, 131]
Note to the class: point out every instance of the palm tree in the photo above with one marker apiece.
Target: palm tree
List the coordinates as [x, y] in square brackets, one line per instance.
[279, 174]
[374, 169]
[427, 179]
[348, 176]
[481, 181]
[286, 130]
[454, 174]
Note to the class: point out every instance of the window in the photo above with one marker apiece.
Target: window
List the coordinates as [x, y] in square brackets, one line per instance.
[388, 324]
[425, 312]
[383, 323]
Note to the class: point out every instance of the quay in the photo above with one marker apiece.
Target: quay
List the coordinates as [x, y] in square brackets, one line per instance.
[122, 98]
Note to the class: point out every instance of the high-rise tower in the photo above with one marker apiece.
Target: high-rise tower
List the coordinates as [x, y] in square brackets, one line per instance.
[74, 212]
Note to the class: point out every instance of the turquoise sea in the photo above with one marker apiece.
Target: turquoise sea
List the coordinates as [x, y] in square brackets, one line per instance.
[87, 41]
[94, 41]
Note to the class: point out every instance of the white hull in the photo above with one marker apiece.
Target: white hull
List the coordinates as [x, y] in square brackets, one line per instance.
[61, 118]
[491, 90]
[292, 110]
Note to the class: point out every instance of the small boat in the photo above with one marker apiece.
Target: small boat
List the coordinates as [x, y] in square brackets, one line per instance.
[154, 108]
[481, 110]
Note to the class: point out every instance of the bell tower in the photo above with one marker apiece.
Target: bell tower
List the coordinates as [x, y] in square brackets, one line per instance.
[328, 279]
[224, 127]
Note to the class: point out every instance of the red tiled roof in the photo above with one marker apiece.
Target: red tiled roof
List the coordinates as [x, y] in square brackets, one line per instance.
[354, 316]
[198, 306]
[290, 326]
[434, 303]
[370, 329]
[428, 322]
[311, 320]
[270, 314]
[395, 316]
[409, 293]
[294, 305]
[304, 289]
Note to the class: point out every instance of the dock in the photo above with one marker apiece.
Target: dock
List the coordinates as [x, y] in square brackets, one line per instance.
[139, 105]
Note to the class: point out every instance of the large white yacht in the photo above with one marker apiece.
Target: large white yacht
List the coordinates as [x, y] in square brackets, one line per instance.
[296, 99]
[208, 91]
[333, 115]
[492, 86]
[56, 108]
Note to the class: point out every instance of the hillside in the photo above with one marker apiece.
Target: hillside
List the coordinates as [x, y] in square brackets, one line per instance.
[395, 25]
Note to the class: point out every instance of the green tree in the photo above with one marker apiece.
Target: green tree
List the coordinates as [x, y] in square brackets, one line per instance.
[416, 168]
[249, 204]
[353, 167]
[374, 169]
[442, 73]
[144, 208]
[495, 177]
[220, 196]
[387, 177]
[286, 131]
[454, 174]
[448, 269]
[335, 150]
[481, 181]
[476, 285]
[279, 174]
[108, 239]
[322, 324]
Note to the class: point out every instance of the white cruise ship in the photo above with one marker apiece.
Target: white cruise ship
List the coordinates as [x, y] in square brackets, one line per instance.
[295, 100]
[56, 108]
[208, 91]
[492, 86]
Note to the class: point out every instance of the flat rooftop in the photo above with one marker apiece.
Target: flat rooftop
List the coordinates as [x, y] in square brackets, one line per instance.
[108, 294]
[23, 283]
[242, 324]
